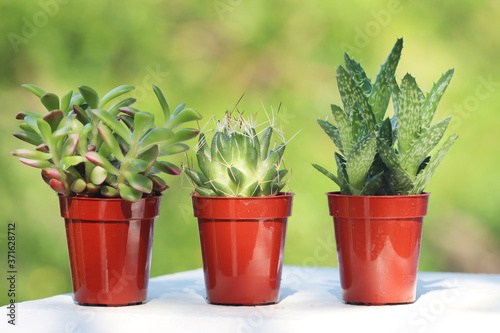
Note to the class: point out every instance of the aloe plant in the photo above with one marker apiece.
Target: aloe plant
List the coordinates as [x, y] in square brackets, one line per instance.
[385, 155]
[238, 163]
[86, 150]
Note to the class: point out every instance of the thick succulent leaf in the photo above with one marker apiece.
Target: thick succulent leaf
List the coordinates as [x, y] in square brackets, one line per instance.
[174, 149]
[423, 146]
[185, 134]
[401, 180]
[197, 177]
[83, 142]
[44, 130]
[372, 185]
[358, 123]
[252, 153]
[127, 120]
[129, 110]
[344, 127]
[178, 109]
[358, 74]
[21, 115]
[53, 117]
[66, 102]
[159, 185]
[350, 93]
[150, 156]
[98, 159]
[139, 182]
[156, 136]
[69, 146]
[110, 141]
[333, 132]
[58, 186]
[221, 148]
[69, 161]
[425, 175]
[142, 123]
[221, 189]
[139, 165]
[163, 103]
[109, 192]
[434, 96]
[280, 175]
[124, 103]
[385, 132]
[36, 163]
[381, 92]
[50, 101]
[81, 115]
[274, 158]
[265, 140]
[360, 160]
[28, 137]
[116, 126]
[342, 174]
[118, 91]
[90, 96]
[168, 168]
[277, 187]
[327, 173]
[184, 116]
[78, 185]
[30, 154]
[98, 175]
[128, 193]
[77, 99]
[203, 156]
[39, 92]
[236, 176]
[408, 114]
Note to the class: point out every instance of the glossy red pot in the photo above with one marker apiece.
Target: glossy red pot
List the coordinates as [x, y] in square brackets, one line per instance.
[378, 246]
[242, 245]
[109, 245]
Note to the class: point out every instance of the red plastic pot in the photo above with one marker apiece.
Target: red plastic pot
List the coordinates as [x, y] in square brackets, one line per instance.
[378, 246]
[242, 245]
[109, 245]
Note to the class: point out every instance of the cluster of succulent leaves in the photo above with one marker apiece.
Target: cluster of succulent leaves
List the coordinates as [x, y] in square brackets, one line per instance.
[238, 163]
[382, 155]
[87, 148]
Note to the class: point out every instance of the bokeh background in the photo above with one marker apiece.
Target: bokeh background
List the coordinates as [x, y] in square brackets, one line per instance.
[285, 51]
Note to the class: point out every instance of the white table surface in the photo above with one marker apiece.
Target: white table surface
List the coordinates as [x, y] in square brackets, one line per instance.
[310, 302]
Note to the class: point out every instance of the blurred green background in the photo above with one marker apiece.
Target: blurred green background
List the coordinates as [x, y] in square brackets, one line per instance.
[285, 51]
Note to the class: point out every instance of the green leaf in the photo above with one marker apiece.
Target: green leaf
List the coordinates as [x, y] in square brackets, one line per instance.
[168, 168]
[124, 103]
[83, 142]
[381, 92]
[77, 99]
[163, 103]
[110, 141]
[205, 192]
[197, 177]
[142, 123]
[182, 117]
[358, 74]
[139, 182]
[44, 130]
[423, 146]
[185, 134]
[90, 96]
[28, 137]
[156, 136]
[70, 161]
[98, 175]
[98, 159]
[53, 117]
[128, 193]
[327, 173]
[178, 109]
[23, 114]
[425, 175]
[434, 96]
[344, 127]
[342, 174]
[236, 176]
[350, 93]
[50, 101]
[385, 132]
[174, 149]
[408, 114]
[31, 154]
[359, 161]
[78, 186]
[116, 126]
[139, 165]
[333, 133]
[42, 164]
[149, 156]
[109, 192]
[66, 102]
[401, 181]
[372, 184]
[69, 146]
[118, 91]
[39, 92]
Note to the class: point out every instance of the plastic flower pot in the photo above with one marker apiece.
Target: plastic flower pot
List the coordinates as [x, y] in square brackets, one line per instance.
[109, 245]
[378, 246]
[242, 244]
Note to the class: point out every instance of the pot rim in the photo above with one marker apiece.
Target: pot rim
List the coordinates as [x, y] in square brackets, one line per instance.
[268, 197]
[105, 199]
[338, 194]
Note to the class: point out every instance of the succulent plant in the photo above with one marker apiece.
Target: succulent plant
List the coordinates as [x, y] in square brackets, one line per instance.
[86, 150]
[385, 155]
[238, 163]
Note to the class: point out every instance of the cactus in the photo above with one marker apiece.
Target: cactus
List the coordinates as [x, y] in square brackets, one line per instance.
[238, 163]
[370, 162]
[86, 150]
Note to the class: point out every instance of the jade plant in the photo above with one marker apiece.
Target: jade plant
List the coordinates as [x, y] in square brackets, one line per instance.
[238, 163]
[85, 148]
[381, 155]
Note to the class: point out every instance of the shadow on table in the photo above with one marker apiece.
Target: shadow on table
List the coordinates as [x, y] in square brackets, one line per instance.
[174, 288]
